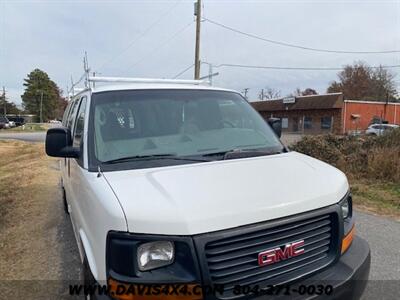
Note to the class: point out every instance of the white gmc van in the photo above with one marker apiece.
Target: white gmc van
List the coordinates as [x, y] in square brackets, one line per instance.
[186, 190]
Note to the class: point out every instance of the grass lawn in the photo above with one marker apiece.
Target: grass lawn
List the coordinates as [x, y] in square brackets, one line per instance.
[29, 195]
[377, 197]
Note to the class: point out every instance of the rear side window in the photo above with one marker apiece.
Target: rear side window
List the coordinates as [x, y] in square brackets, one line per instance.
[65, 116]
[80, 123]
[72, 113]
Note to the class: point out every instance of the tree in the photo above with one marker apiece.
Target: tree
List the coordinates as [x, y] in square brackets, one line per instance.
[269, 93]
[41, 95]
[360, 82]
[383, 85]
[297, 92]
[7, 107]
[62, 105]
[308, 92]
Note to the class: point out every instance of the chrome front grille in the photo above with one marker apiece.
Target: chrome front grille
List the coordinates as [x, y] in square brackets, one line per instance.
[232, 257]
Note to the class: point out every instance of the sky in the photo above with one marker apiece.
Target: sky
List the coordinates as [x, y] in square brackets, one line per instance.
[156, 39]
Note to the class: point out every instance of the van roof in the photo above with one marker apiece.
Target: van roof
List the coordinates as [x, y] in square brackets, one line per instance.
[106, 84]
[153, 86]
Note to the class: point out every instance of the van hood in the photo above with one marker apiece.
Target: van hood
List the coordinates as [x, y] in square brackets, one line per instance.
[204, 197]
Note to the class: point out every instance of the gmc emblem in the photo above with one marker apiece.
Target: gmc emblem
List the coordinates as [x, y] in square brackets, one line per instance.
[275, 255]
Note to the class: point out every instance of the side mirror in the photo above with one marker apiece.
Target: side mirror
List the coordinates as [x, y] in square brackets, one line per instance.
[276, 125]
[59, 143]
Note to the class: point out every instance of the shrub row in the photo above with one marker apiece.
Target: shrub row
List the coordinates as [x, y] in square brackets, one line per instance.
[364, 157]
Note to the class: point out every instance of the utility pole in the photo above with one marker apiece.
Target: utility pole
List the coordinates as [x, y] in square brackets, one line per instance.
[210, 73]
[86, 68]
[94, 75]
[197, 13]
[262, 95]
[245, 92]
[4, 99]
[41, 106]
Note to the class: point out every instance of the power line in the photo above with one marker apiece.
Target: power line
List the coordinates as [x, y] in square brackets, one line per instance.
[134, 41]
[183, 71]
[162, 44]
[297, 68]
[294, 45]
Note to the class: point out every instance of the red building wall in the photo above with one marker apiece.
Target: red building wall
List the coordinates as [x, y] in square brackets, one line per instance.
[367, 110]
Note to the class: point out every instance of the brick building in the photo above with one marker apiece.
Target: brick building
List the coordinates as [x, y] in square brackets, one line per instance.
[329, 113]
[358, 114]
[316, 114]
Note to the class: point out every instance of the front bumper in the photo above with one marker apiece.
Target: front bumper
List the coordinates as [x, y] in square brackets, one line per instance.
[348, 276]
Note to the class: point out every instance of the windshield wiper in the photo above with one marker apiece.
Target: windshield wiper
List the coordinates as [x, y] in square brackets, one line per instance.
[151, 157]
[239, 153]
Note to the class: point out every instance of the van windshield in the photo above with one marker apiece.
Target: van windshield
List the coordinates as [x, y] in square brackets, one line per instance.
[175, 123]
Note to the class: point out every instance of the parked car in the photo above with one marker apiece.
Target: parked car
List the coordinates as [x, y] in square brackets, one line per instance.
[378, 120]
[17, 120]
[380, 129]
[172, 182]
[4, 122]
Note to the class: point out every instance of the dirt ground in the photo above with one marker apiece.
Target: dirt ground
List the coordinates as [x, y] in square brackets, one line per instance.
[32, 221]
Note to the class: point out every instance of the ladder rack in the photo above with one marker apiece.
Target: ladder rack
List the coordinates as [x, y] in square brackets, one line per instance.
[144, 80]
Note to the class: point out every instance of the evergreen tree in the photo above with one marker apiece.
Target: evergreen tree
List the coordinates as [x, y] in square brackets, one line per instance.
[40, 88]
[7, 107]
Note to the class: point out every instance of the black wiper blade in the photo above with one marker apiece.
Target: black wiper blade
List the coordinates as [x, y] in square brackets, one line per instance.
[239, 153]
[150, 157]
[248, 153]
[216, 153]
[135, 157]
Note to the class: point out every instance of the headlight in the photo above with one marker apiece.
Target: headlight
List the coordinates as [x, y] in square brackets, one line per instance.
[155, 254]
[346, 207]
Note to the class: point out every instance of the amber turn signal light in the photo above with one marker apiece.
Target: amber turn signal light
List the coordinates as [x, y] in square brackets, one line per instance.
[346, 242]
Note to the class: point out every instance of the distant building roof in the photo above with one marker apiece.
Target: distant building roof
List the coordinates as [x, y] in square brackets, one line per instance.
[327, 101]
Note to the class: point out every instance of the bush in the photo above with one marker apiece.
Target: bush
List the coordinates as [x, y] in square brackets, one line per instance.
[366, 157]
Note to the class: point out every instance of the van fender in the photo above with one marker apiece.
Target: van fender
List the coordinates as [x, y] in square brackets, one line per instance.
[87, 251]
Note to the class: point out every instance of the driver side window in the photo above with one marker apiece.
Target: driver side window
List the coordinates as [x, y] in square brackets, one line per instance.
[79, 123]
[72, 113]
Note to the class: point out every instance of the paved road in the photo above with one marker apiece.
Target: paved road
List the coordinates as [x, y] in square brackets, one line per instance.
[24, 136]
[27, 136]
[383, 236]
